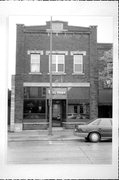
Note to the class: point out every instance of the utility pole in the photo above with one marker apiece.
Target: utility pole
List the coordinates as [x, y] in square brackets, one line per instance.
[50, 97]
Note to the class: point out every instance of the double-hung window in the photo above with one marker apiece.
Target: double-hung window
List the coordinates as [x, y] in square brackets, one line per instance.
[58, 63]
[35, 63]
[78, 63]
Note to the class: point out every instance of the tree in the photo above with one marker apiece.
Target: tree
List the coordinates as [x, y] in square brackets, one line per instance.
[106, 69]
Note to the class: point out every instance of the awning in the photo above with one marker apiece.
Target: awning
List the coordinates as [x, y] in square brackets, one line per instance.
[79, 94]
[105, 97]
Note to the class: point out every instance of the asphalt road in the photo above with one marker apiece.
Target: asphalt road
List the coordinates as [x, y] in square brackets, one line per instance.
[59, 152]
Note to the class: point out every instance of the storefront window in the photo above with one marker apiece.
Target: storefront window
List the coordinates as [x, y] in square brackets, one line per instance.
[75, 109]
[79, 111]
[34, 92]
[34, 103]
[84, 111]
[34, 109]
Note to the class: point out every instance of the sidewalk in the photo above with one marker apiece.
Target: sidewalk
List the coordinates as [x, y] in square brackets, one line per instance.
[42, 135]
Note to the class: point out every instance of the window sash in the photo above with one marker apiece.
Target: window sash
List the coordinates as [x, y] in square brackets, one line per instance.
[58, 63]
[35, 62]
[35, 68]
[78, 63]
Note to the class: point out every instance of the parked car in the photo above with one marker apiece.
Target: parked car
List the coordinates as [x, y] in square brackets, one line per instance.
[77, 116]
[72, 115]
[84, 116]
[95, 130]
[58, 117]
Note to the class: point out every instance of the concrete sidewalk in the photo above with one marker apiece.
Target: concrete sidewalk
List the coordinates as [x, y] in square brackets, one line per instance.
[42, 135]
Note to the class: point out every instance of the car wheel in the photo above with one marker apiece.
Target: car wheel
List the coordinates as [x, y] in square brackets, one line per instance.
[94, 137]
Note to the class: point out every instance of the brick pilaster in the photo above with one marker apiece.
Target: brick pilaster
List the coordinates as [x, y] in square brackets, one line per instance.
[20, 41]
[93, 73]
[18, 102]
[12, 114]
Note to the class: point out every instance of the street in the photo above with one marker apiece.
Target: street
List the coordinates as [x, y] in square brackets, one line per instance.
[59, 152]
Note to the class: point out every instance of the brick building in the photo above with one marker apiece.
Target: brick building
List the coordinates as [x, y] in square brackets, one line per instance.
[75, 77]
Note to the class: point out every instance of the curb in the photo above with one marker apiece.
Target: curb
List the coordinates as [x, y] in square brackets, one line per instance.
[38, 136]
[42, 139]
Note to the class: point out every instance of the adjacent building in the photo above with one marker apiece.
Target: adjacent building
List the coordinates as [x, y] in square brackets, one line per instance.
[77, 90]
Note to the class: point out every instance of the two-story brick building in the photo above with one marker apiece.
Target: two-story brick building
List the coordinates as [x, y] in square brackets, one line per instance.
[74, 76]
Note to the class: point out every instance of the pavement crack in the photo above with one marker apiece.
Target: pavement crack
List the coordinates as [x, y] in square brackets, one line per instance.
[90, 160]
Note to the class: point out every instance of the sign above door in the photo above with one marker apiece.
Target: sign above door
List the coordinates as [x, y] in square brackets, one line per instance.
[57, 93]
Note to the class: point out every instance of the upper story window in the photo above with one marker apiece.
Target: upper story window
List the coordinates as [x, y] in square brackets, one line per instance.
[58, 63]
[35, 63]
[78, 63]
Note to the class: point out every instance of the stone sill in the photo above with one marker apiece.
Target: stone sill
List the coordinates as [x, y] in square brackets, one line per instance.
[35, 73]
[57, 74]
[78, 73]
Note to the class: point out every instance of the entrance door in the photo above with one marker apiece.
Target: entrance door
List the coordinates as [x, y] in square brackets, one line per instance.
[58, 112]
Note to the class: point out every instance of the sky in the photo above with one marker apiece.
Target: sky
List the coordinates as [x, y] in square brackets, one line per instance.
[104, 31]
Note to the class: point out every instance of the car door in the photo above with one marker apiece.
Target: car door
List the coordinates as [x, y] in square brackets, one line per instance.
[94, 126]
[105, 127]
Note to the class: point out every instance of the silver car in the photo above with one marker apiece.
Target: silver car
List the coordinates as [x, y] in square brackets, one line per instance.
[95, 130]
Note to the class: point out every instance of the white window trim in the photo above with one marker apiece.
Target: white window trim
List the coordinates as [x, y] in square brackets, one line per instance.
[78, 73]
[57, 72]
[36, 73]
[57, 52]
[78, 52]
[35, 52]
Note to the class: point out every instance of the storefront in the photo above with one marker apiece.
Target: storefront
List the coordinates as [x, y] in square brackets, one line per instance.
[59, 106]
[105, 103]
[69, 105]
[74, 76]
